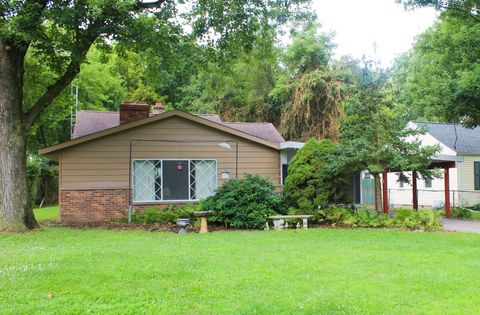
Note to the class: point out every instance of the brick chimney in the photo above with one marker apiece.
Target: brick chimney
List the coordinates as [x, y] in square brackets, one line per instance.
[131, 111]
[158, 108]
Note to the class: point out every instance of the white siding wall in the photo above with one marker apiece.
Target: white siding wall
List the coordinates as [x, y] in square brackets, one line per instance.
[426, 196]
[466, 185]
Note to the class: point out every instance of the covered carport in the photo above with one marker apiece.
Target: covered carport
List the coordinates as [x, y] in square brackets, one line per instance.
[440, 161]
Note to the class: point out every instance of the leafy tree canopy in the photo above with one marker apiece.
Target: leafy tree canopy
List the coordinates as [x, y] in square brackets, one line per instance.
[439, 79]
[313, 89]
[374, 135]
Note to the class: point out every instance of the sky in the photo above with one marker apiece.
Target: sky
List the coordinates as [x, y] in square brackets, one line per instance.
[361, 25]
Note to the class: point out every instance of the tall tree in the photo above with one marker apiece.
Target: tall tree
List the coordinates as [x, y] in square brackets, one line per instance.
[466, 9]
[235, 88]
[441, 76]
[313, 89]
[61, 33]
[374, 136]
[439, 79]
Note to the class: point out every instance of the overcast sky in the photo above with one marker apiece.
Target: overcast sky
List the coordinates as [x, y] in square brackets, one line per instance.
[358, 25]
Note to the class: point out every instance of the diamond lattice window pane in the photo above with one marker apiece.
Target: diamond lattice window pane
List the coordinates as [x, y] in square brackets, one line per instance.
[203, 178]
[147, 181]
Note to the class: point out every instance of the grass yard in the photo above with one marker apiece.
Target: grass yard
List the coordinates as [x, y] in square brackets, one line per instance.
[476, 216]
[47, 213]
[316, 271]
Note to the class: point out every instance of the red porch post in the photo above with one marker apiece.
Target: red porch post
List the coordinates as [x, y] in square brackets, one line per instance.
[447, 191]
[385, 191]
[415, 190]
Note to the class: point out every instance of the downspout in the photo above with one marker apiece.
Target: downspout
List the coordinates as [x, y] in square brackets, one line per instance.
[130, 210]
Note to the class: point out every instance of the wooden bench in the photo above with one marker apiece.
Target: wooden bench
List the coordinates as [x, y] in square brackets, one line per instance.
[280, 224]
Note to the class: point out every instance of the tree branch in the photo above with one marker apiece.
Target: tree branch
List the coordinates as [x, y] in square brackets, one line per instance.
[56, 88]
[83, 41]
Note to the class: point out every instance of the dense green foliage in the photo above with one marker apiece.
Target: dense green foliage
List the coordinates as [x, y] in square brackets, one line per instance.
[461, 213]
[374, 136]
[313, 88]
[306, 186]
[439, 79]
[314, 271]
[167, 215]
[42, 181]
[244, 203]
[425, 220]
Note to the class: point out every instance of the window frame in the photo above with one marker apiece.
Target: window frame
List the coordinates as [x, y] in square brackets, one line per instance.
[400, 181]
[161, 200]
[425, 182]
[476, 175]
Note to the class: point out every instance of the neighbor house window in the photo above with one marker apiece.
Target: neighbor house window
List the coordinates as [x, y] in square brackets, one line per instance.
[476, 166]
[428, 182]
[173, 180]
[400, 180]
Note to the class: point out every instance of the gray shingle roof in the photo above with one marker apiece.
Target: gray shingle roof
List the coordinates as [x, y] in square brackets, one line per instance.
[464, 141]
[89, 122]
[262, 130]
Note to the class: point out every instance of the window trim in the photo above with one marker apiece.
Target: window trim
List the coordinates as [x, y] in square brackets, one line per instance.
[425, 183]
[162, 201]
[476, 175]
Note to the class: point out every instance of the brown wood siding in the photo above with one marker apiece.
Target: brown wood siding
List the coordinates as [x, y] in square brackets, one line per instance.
[103, 163]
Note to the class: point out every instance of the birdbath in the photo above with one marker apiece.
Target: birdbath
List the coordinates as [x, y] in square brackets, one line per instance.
[183, 223]
[203, 215]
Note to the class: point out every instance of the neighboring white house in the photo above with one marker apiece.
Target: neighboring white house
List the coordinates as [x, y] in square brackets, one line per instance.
[458, 144]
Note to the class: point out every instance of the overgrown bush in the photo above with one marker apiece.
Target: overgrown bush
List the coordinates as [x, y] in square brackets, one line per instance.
[33, 176]
[343, 216]
[167, 215]
[244, 203]
[333, 215]
[305, 189]
[461, 213]
[426, 220]
[42, 180]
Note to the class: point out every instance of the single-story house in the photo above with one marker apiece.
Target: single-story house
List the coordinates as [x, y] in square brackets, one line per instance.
[144, 155]
[459, 145]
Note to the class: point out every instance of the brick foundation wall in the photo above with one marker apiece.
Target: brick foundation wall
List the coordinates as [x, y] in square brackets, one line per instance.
[97, 205]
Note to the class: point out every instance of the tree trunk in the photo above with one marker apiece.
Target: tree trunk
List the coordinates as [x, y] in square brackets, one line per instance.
[378, 193]
[15, 208]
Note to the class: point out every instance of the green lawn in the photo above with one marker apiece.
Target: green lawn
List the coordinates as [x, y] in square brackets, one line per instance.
[47, 213]
[476, 215]
[64, 270]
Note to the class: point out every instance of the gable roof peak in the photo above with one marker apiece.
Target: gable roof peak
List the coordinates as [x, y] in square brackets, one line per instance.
[173, 113]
